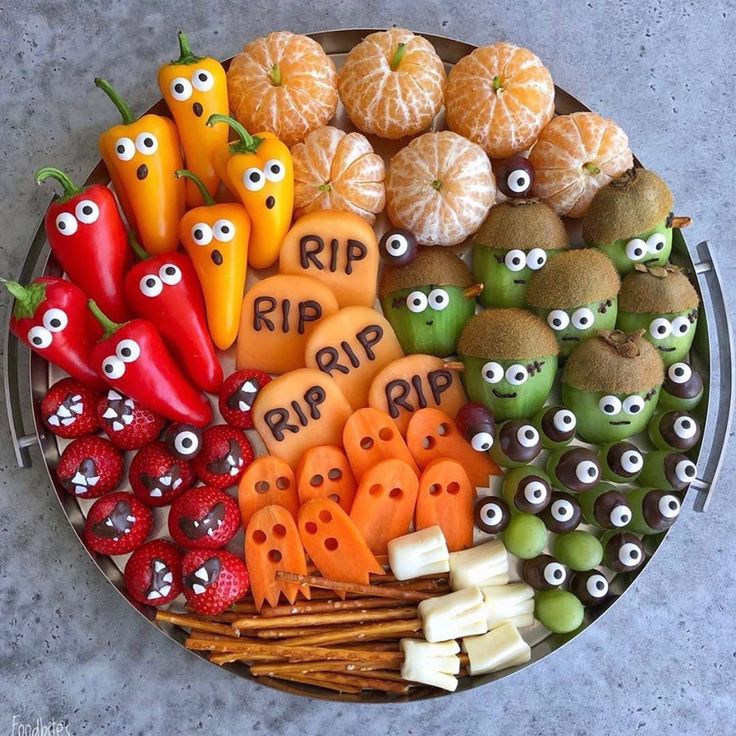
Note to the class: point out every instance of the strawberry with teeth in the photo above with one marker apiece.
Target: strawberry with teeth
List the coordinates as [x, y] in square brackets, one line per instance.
[157, 477]
[69, 409]
[238, 394]
[203, 518]
[153, 573]
[225, 455]
[90, 467]
[117, 524]
[213, 580]
[128, 425]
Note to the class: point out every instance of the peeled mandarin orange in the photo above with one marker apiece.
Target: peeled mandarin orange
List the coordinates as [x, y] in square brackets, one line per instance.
[335, 170]
[500, 96]
[574, 157]
[392, 83]
[282, 83]
[440, 186]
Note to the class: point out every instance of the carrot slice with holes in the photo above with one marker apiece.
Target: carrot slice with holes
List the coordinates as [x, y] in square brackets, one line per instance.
[272, 543]
[445, 499]
[432, 434]
[370, 436]
[384, 503]
[324, 472]
[334, 543]
[267, 480]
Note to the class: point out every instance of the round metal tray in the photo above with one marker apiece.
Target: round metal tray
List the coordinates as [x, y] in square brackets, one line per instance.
[28, 376]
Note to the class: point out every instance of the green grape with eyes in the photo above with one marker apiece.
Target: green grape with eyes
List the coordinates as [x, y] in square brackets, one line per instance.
[510, 360]
[630, 220]
[428, 301]
[662, 302]
[611, 382]
[516, 240]
[577, 294]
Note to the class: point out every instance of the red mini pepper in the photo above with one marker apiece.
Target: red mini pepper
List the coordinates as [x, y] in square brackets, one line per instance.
[133, 358]
[89, 239]
[50, 316]
[165, 290]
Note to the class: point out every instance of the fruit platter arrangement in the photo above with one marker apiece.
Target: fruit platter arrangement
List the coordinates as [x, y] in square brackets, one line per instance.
[367, 371]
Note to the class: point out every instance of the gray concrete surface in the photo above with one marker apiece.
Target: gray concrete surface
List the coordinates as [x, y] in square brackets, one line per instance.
[662, 662]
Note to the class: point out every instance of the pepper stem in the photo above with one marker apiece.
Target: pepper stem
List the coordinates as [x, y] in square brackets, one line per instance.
[109, 327]
[27, 298]
[592, 168]
[248, 143]
[185, 51]
[136, 247]
[398, 55]
[276, 75]
[50, 172]
[206, 196]
[125, 112]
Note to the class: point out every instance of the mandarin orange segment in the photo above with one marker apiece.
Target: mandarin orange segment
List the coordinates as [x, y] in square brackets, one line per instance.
[283, 83]
[574, 157]
[440, 186]
[500, 96]
[392, 83]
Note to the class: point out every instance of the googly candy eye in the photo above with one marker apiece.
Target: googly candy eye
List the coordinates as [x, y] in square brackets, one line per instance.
[398, 246]
[685, 471]
[491, 514]
[685, 427]
[587, 472]
[623, 551]
[610, 405]
[597, 586]
[476, 424]
[87, 211]
[620, 516]
[629, 554]
[563, 514]
[438, 299]
[527, 436]
[253, 179]
[516, 374]
[146, 143]
[184, 441]
[417, 302]
[515, 260]
[113, 367]
[655, 243]
[558, 319]
[128, 351]
[482, 441]
[660, 328]
[633, 404]
[518, 181]
[180, 89]
[562, 509]
[679, 373]
[636, 249]
[203, 80]
[554, 573]
[55, 319]
[536, 492]
[669, 506]
[223, 230]
[150, 285]
[274, 170]
[66, 223]
[632, 461]
[39, 337]
[680, 326]
[170, 274]
[515, 176]
[563, 420]
[124, 149]
[543, 572]
[201, 234]
[582, 319]
[536, 258]
[492, 372]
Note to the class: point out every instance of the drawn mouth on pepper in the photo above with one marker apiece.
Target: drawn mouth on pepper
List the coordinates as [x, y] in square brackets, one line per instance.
[85, 478]
[161, 580]
[142, 172]
[197, 109]
[216, 257]
[206, 526]
[163, 484]
[499, 395]
[67, 411]
[204, 576]
[270, 202]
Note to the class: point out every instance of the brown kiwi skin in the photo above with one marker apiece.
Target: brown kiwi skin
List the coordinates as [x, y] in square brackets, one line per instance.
[435, 266]
[658, 290]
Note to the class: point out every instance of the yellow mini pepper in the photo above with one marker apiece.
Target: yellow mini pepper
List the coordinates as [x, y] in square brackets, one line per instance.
[194, 88]
[259, 170]
[141, 156]
[216, 238]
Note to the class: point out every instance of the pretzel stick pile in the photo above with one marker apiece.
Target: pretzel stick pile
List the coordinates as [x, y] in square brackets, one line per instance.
[342, 644]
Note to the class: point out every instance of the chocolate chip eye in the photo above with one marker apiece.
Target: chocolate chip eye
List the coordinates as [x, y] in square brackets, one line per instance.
[564, 420]
[669, 506]
[554, 573]
[527, 436]
[629, 554]
[685, 428]
[685, 471]
[620, 516]
[596, 586]
[586, 471]
[562, 510]
[632, 461]
[680, 373]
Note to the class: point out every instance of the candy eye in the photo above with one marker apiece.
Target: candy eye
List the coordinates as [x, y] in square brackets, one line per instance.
[519, 181]
[597, 586]
[535, 492]
[620, 516]
[632, 461]
[558, 320]
[564, 420]
[516, 374]
[170, 274]
[128, 351]
[492, 372]
[397, 245]
[685, 471]
[685, 428]
[562, 510]
[633, 404]
[55, 320]
[253, 179]
[629, 554]
[87, 211]
[527, 436]
[491, 514]
[146, 143]
[669, 506]
[201, 234]
[515, 260]
[39, 337]
[113, 367]
[636, 249]
[610, 405]
[680, 373]
[680, 326]
[180, 89]
[203, 80]
[554, 573]
[66, 223]
[150, 285]
[223, 230]
[536, 258]
[417, 302]
[582, 318]
[586, 471]
[660, 328]
[274, 170]
[438, 299]
[186, 442]
[124, 149]
[655, 243]
[482, 441]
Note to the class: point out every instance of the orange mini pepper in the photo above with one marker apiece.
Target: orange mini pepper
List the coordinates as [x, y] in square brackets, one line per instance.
[142, 155]
[259, 170]
[194, 88]
[216, 238]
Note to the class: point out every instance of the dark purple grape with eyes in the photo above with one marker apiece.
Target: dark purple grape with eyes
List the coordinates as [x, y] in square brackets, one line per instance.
[515, 176]
[398, 247]
[477, 425]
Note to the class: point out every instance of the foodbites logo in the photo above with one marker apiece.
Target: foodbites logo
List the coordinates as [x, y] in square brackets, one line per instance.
[40, 727]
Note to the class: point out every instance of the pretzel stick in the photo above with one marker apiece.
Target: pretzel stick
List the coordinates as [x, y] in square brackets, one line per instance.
[292, 632]
[364, 682]
[225, 617]
[320, 619]
[322, 682]
[378, 631]
[336, 604]
[327, 666]
[384, 591]
[371, 646]
[192, 622]
[219, 644]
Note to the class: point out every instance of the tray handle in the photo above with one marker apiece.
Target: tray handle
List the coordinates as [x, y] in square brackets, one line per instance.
[721, 383]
